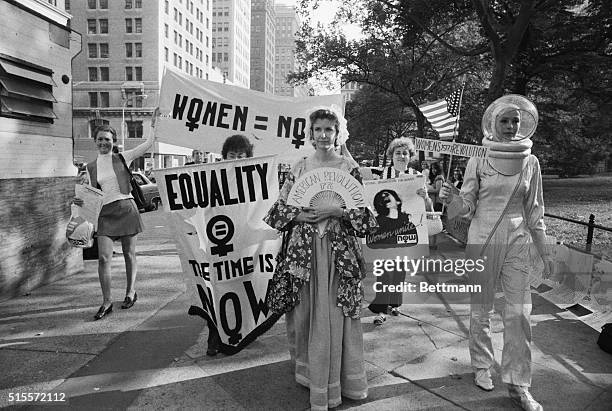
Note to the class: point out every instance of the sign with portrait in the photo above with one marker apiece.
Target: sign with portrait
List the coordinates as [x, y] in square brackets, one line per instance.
[401, 217]
[227, 252]
[201, 114]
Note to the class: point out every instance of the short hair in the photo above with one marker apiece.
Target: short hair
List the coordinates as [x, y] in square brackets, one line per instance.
[323, 114]
[237, 142]
[435, 169]
[380, 203]
[104, 128]
[400, 142]
[193, 153]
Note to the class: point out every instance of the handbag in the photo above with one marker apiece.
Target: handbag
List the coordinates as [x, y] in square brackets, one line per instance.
[605, 338]
[434, 222]
[136, 192]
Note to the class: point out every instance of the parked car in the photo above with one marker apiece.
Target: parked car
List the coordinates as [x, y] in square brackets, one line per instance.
[150, 191]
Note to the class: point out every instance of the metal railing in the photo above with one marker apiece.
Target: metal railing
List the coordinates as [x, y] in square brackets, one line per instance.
[591, 226]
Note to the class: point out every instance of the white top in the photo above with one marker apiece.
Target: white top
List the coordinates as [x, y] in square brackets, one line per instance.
[106, 175]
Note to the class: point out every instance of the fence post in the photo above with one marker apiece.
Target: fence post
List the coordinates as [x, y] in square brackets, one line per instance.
[589, 241]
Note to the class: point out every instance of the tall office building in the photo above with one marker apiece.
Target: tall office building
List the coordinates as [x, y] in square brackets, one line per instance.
[287, 25]
[126, 44]
[262, 45]
[231, 40]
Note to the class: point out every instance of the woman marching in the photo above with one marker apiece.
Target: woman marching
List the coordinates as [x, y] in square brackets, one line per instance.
[503, 195]
[402, 153]
[318, 278]
[119, 218]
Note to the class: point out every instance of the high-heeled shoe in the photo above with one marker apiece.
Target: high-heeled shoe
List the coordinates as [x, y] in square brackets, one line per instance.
[129, 302]
[102, 312]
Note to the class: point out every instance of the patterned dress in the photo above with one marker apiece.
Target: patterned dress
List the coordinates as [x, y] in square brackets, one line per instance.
[318, 284]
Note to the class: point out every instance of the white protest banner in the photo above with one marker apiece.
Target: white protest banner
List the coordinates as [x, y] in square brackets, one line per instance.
[201, 114]
[449, 147]
[227, 252]
[400, 213]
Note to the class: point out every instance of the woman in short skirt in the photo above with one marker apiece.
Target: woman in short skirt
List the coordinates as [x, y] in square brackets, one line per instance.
[119, 218]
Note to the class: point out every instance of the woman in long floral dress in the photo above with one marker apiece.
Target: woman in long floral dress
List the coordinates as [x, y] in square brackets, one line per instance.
[318, 281]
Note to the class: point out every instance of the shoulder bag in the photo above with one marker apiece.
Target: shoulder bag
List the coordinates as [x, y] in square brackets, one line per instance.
[136, 192]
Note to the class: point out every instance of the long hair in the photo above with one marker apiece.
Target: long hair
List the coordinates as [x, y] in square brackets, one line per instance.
[381, 200]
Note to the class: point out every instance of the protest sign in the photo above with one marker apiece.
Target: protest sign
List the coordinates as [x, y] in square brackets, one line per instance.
[326, 186]
[201, 114]
[400, 213]
[450, 147]
[227, 252]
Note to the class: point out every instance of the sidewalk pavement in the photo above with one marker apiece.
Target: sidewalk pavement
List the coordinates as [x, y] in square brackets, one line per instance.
[152, 356]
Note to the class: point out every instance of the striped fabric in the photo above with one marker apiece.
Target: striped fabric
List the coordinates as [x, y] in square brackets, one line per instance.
[443, 114]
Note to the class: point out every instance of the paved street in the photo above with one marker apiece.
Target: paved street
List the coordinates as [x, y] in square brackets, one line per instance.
[153, 355]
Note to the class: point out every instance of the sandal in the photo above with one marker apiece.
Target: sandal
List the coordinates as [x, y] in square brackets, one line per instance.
[380, 319]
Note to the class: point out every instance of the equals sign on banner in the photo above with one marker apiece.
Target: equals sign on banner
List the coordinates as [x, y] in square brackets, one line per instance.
[261, 119]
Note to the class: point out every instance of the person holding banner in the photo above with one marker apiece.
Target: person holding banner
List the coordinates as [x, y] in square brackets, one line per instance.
[318, 280]
[119, 218]
[402, 153]
[235, 147]
[503, 195]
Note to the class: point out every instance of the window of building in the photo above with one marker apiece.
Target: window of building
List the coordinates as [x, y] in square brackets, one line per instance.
[128, 4]
[180, 18]
[104, 4]
[104, 99]
[180, 40]
[134, 128]
[129, 26]
[104, 73]
[67, 5]
[138, 49]
[128, 50]
[167, 6]
[186, 24]
[175, 60]
[166, 53]
[206, 41]
[103, 26]
[129, 74]
[93, 99]
[180, 65]
[93, 50]
[207, 23]
[103, 50]
[138, 75]
[138, 4]
[91, 4]
[93, 73]
[26, 92]
[175, 14]
[207, 59]
[91, 26]
[138, 25]
[166, 30]
[213, 58]
[225, 57]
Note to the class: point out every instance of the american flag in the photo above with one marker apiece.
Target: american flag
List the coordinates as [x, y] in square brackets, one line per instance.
[442, 114]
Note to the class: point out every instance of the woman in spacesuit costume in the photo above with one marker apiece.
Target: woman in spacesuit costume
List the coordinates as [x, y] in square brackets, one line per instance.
[503, 196]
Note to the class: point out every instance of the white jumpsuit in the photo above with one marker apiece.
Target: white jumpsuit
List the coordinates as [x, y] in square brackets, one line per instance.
[484, 195]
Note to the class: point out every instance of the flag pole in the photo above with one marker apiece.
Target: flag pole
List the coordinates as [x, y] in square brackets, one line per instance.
[455, 131]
